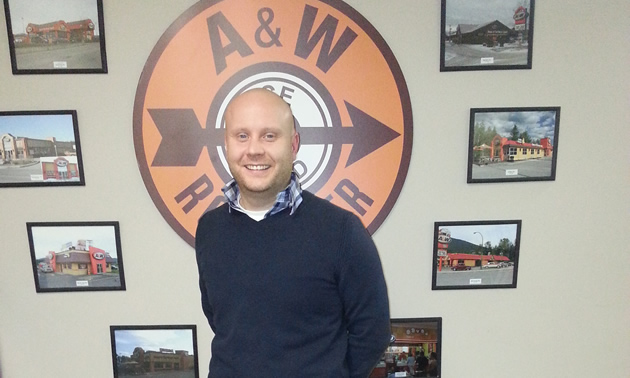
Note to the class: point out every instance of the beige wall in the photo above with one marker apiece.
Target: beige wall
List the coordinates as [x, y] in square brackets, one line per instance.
[569, 315]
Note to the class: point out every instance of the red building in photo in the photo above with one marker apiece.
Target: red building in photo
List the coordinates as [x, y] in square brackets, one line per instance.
[82, 259]
[163, 360]
[81, 31]
[502, 149]
[60, 31]
[62, 168]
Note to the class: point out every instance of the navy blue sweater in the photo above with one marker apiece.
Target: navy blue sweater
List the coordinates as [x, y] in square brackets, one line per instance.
[299, 295]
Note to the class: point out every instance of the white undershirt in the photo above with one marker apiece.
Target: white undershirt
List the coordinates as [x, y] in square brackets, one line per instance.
[255, 215]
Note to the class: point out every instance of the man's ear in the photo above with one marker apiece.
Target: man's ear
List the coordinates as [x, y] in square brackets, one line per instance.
[295, 144]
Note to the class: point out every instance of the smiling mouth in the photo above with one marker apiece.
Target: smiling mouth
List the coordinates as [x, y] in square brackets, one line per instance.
[258, 167]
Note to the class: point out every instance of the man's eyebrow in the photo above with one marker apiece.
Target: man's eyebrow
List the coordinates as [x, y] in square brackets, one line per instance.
[272, 129]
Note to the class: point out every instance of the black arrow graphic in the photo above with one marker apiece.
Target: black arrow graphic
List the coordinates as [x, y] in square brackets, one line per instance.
[366, 134]
[183, 138]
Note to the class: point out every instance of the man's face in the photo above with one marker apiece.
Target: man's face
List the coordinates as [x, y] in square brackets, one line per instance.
[261, 145]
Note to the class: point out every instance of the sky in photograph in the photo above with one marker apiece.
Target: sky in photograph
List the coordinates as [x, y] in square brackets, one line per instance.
[481, 11]
[537, 124]
[491, 233]
[38, 126]
[153, 339]
[46, 239]
[40, 12]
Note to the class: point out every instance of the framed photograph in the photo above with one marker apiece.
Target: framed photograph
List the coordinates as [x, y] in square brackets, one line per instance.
[156, 351]
[40, 148]
[76, 256]
[486, 35]
[414, 350]
[513, 144]
[56, 36]
[476, 254]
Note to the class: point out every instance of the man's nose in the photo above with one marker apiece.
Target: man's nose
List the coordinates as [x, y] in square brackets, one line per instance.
[255, 147]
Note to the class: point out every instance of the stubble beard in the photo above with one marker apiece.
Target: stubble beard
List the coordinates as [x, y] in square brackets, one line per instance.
[255, 187]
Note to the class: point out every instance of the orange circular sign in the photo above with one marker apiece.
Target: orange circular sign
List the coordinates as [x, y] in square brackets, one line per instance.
[345, 88]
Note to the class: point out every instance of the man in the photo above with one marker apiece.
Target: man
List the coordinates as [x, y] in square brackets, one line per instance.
[432, 367]
[292, 285]
[421, 362]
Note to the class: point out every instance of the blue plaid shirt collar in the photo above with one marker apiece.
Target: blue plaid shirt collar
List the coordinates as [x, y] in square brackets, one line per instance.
[291, 197]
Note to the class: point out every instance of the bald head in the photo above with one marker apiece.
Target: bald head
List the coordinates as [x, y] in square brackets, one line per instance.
[261, 101]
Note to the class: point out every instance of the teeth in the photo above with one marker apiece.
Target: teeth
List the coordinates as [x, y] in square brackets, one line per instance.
[257, 167]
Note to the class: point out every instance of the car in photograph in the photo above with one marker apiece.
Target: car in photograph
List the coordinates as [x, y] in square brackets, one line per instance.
[37, 39]
[460, 266]
[45, 268]
[490, 265]
[483, 160]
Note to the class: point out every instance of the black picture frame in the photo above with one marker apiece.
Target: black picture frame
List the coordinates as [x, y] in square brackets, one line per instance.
[486, 35]
[40, 148]
[76, 256]
[460, 263]
[174, 344]
[513, 144]
[415, 337]
[56, 36]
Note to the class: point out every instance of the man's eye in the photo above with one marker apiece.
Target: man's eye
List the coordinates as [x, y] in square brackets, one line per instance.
[270, 136]
[241, 136]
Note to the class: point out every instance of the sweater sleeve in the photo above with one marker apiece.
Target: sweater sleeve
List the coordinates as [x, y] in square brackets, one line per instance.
[364, 294]
[205, 304]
